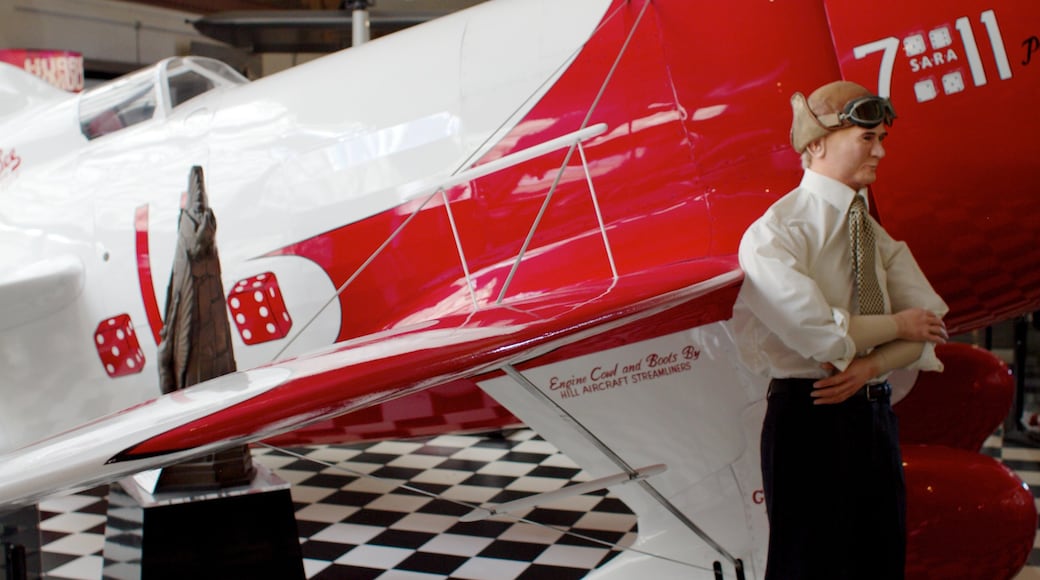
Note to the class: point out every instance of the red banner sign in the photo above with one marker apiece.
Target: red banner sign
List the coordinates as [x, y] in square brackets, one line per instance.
[61, 68]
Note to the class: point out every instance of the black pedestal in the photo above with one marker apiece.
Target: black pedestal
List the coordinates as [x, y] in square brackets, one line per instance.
[239, 532]
[20, 539]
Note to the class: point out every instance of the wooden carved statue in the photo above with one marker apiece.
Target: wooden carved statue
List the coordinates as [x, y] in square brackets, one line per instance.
[196, 335]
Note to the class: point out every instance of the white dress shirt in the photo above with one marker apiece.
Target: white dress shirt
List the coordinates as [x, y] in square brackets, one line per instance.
[792, 313]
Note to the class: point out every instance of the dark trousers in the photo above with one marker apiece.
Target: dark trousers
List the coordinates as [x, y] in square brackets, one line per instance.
[834, 489]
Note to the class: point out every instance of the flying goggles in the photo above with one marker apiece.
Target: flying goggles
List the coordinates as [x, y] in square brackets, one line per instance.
[867, 112]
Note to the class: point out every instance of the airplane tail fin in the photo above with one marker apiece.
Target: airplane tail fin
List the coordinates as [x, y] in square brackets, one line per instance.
[19, 90]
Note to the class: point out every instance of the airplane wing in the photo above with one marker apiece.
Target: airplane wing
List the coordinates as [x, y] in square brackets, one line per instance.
[258, 403]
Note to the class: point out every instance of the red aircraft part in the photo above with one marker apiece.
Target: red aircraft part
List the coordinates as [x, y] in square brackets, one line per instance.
[968, 516]
[961, 406]
[333, 382]
[456, 407]
[941, 61]
[462, 406]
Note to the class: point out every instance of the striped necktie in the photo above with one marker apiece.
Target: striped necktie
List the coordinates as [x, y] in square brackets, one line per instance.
[861, 238]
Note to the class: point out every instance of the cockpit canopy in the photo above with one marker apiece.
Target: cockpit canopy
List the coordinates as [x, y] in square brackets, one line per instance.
[151, 93]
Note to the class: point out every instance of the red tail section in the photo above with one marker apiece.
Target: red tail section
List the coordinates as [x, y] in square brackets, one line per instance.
[959, 183]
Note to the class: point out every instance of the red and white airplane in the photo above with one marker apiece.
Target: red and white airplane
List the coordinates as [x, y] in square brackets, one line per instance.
[528, 210]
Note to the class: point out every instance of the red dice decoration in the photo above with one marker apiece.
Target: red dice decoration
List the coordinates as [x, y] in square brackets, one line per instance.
[117, 346]
[258, 309]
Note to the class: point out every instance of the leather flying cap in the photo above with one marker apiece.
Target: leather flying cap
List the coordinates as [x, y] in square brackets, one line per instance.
[828, 100]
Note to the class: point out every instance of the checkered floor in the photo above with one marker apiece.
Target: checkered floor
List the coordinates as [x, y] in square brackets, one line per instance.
[358, 527]
[1025, 461]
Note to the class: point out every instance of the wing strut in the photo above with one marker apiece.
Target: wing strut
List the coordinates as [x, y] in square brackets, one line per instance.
[650, 470]
[567, 160]
[530, 501]
[513, 159]
[621, 463]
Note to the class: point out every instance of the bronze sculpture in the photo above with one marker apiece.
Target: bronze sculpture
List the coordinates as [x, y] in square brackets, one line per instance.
[196, 336]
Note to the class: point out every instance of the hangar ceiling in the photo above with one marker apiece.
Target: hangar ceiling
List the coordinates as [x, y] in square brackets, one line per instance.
[210, 6]
[259, 26]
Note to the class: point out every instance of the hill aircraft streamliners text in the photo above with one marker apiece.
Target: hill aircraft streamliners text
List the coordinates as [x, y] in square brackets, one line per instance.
[525, 211]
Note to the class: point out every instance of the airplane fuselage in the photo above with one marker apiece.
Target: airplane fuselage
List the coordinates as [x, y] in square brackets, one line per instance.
[351, 206]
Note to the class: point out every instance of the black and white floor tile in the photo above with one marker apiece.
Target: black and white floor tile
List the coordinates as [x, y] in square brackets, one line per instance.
[1025, 461]
[363, 528]
[386, 527]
